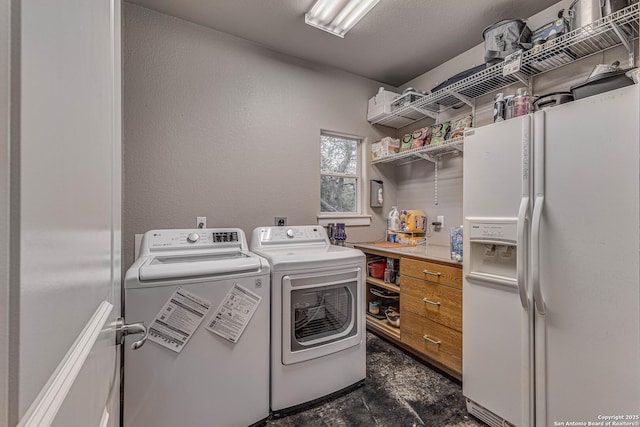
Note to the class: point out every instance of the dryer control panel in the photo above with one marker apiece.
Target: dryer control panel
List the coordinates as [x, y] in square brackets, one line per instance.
[291, 235]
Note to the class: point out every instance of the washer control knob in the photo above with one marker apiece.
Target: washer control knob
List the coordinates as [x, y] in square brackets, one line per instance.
[193, 237]
[290, 233]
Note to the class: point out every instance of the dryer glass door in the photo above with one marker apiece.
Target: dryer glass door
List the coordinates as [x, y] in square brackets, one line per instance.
[320, 314]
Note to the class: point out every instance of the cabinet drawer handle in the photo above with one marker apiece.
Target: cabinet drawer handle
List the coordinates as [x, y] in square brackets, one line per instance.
[431, 302]
[432, 273]
[426, 338]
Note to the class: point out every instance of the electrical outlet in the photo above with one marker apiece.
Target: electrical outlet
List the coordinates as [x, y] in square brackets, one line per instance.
[280, 221]
[201, 222]
[441, 220]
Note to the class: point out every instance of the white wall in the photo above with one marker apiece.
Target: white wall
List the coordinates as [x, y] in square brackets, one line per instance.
[5, 37]
[416, 181]
[220, 127]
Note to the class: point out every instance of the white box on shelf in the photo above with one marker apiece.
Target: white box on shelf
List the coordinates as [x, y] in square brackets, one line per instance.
[385, 147]
[390, 144]
[380, 105]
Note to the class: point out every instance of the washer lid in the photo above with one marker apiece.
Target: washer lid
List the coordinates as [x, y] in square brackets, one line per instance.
[173, 266]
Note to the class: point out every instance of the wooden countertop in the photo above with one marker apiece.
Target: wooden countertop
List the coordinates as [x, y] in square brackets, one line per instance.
[428, 252]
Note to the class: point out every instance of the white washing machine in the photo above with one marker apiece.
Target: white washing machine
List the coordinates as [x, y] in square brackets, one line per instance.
[317, 315]
[205, 299]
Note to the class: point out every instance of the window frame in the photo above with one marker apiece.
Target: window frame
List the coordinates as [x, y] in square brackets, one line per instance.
[360, 217]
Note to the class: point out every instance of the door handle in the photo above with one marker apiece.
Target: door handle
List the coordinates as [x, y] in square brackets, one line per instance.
[523, 289]
[122, 330]
[432, 341]
[535, 254]
[428, 301]
[432, 273]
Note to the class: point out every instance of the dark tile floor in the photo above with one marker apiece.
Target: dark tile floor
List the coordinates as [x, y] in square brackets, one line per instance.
[399, 391]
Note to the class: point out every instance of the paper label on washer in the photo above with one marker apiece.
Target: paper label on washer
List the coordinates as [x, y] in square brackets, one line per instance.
[178, 320]
[233, 315]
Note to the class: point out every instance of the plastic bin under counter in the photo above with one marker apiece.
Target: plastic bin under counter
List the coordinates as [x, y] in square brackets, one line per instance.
[439, 253]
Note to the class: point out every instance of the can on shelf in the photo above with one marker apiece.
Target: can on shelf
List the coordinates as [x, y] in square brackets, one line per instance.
[508, 107]
[374, 307]
[522, 102]
[498, 108]
[389, 275]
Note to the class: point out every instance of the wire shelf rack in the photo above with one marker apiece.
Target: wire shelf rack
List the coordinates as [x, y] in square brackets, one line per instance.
[428, 152]
[619, 28]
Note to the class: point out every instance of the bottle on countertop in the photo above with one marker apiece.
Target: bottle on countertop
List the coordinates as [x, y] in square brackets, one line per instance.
[331, 232]
[340, 234]
[393, 220]
[457, 243]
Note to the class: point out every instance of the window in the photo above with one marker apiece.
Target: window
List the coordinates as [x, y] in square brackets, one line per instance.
[339, 174]
[341, 179]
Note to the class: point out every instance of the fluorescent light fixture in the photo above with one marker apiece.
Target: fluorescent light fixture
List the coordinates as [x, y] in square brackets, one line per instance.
[338, 16]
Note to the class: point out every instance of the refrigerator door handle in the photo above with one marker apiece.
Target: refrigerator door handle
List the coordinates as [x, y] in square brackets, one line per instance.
[521, 253]
[535, 254]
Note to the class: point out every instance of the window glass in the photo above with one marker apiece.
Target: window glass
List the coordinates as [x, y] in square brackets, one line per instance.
[338, 155]
[339, 174]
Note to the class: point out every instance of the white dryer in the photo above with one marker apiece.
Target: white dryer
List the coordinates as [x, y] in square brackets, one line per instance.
[317, 315]
[193, 376]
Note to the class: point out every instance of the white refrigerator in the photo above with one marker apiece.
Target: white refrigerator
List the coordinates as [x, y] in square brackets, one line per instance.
[551, 310]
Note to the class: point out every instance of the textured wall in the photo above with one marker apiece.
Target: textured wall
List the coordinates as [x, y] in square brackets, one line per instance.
[216, 126]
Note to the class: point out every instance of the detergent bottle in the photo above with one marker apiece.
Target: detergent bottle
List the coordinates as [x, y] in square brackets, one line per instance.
[393, 220]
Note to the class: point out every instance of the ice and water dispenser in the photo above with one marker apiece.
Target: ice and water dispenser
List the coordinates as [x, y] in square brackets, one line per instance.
[491, 250]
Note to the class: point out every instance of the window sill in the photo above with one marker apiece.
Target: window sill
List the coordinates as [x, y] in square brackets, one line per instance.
[348, 220]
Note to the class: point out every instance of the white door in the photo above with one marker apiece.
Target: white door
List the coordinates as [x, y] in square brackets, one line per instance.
[589, 277]
[497, 325]
[65, 164]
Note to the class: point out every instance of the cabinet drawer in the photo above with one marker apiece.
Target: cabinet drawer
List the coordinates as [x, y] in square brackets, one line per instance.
[441, 304]
[445, 345]
[431, 271]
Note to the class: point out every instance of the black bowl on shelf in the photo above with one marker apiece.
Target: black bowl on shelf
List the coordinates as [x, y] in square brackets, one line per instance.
[601, 83]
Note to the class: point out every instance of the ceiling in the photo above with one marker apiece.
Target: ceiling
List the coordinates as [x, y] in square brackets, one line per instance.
[397, 41]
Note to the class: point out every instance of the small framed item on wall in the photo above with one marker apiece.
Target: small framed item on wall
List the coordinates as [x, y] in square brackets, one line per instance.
[376, 196]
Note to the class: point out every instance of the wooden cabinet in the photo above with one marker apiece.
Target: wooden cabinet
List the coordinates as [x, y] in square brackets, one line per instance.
[434, 340]
[431, 312]
[429, 297]
[441, 304]
[441, 274]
